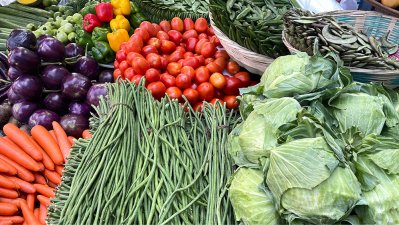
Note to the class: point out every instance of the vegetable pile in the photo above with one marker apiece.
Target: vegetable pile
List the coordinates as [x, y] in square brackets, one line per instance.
[181, 59]
[148, 162]
[315, 147]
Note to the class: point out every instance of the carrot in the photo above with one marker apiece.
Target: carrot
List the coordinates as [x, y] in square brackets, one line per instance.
[6, 222]
[14, 219]
[39, 179]
[28, 214]
[8, 193]
[7, 168]
[43, 214]
[53, 176]
[53, 135]
[7, 183]
[30, 199]
[47, 162]
[22, 172]
[86, 134]
[24, 186]
[13, 152]
[36, 213]
[45, 190]
[62, 139]
[59, 169]
[8, 209]
[44, 139]
[43, 200]
[20, 138]
[14, 201]
[71, 140]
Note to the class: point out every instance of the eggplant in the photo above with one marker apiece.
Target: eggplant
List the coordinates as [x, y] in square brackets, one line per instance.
[51, 50]
[53, 75]
[74, 124]
[56, 102]
[28, 87]
[13, 97]
[76, 86]
[73, 50]
[23, 110]
[106, 76]
[43, 117]
[5, 113]
[24, 59]
[88, 67]
[13, 73]
[79, 108]
[4, 60]
[94, 94]
[21, 38]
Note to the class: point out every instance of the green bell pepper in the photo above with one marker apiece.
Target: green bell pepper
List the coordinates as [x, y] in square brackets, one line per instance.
[99, 34]
[90, 7]
[83, 38]
[136, 19]
[134, 8]
[102, 52]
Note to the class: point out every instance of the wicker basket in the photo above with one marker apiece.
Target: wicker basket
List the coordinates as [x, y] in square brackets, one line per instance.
[252, 61]
[383, 9]
[372, 23]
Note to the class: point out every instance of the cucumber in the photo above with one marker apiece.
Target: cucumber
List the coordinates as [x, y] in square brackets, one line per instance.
[15, 12]
[36, 11]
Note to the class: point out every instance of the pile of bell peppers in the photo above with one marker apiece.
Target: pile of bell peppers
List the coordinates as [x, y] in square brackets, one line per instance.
[106, 25]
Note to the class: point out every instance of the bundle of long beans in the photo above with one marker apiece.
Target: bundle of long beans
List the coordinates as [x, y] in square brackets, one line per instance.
[148, 162]
[303, 29]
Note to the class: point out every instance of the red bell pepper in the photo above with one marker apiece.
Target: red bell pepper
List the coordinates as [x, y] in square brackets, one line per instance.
[91, 21]
[104, 11]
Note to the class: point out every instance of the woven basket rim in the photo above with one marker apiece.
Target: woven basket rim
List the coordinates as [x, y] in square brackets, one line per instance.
[385, 9]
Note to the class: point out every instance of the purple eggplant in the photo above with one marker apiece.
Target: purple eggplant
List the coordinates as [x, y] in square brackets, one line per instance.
[94, 94]
[55, 102]
[88, 67]
[23, 110]
[73, 50]
[42, 37]
[74, 124]
[43, 117]
[79, 108]
[76, 86]
[28, 87]
[51, 50]
[53, 75]
[21, 38]
[13, 97]
[106, 76]
[13, 73]
[24, 59]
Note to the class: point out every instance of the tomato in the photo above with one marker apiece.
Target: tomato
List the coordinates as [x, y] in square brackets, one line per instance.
[140, 65]
[232, 86]
[180, 49]
[215, 100]
[123, 66]
[143, 34]
[201, 59]
[131, 56]
[198, 46]
[136, 79]
[149, 28]
[167, 47]
[210, 31]
[219, 94]
[174, 93]
[174, 68]
[194, 86]
[244, 77]
[183, 81]
[201, 25]
[222, 62]
[208, 60]
[117, 73]
[175, 36]
[232, 67]
[123, 46]
[120, 55]
[157, 89]
[188, 54]
[164, 63]
[131, 46]
[191, 44]
[192, 61]
[208, 49]
[177, 24]
[214, 68]
[116, 64]
[189, 34]
[137, 41]
[203, 36]
[156, 27]
[215, 40]
[222, 54]
[192, 95]
[218, 80]
[201, 75]
[168, 80]
[180, 62]
[175, 56]
[129, 73]
[188, 24]
[165, 25]
[149, 49]
[252, 83]
[231, 102]
[152, 75]
[183, 45]
[206, 91]
[154, 42]
[198, 107]
[188, 70]
[162, 35]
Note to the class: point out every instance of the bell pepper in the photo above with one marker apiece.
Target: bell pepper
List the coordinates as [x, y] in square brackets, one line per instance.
[116, 38]
[83, 38]
[102, 52]
[99, 34]
[90, 21]
[137, 19]
[121, 7]
[390, 3]
[90, 7]
[120, 22]
[104, 11]
[134, 8]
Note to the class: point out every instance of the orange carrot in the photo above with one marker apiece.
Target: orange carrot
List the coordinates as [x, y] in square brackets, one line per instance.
[7, 183]
[47, 162]
[22, 172]
[24, 186]
[45, 190]
[39, 179]
[86, 134]
[36, 213]
[43, 214]
[28, 214]
[62, 139]
[8, 193]
[52, 176]
[53, 135]
[8, 209]
[59, 169]
[13, 152]
[7, 168]
[44, 139]
[43, 200]
[6, 222]
[13, 219]
[41, 165]
[30, 199]
[71, 140]
[14, 201]
[20, 138]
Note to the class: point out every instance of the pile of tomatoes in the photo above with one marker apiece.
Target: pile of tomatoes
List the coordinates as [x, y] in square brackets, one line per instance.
[181, 58]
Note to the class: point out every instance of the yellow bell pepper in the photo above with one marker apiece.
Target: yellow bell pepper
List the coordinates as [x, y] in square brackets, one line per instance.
[390, 3]
[121, 7]
[116, 38]
[120, 22]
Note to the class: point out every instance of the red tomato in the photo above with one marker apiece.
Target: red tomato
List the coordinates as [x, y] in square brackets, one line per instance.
[174, 68]
[194, 86]
[129, 73]
[140, 65]
[175, 36]
[123, 46]
[162, 35]
[206, 91]
[136, 79]
[120, 55]
[168, 80]
[192, 61]
[149, 49]
[210, 31]
[152, 75]
[175, 56]
[157, 89]
[180, 49]
[164, 63]
[143, 34]
[183, 81]
[117, 73]
[154, 42]
[221, 62]
[188, 24]
[198, 46]
[222, 54]
[188, 54]
[154, 60]
[191, 43]
[188, 70]
[192, 95]
[201, 59]
[214, 68]
[232, 86]
[208, 60]
[215, 100]
[123, 66]
[201, 75]
[219, 94]
[201, 25]
[208, 50]
[190, 34]
[137, 41]
[198, 107]
[183, 45]
[116, 64]
[157, 27]
[131, 46]
[233, 67]
[180, 62]
[244, 77]
[215, 40]
[131, 56]
[177, 24]
[203, 36]
[167, 47]
[218, 80]
[165, 25]
[231, 102]
[174, 93]
[149, 28]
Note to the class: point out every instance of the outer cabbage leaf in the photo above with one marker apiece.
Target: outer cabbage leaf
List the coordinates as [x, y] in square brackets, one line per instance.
[252, 203]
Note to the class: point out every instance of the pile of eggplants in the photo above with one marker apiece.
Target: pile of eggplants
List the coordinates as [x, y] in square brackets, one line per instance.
[52, 82]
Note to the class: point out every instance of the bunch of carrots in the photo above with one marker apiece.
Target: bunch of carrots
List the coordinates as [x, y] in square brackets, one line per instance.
[30, 170]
